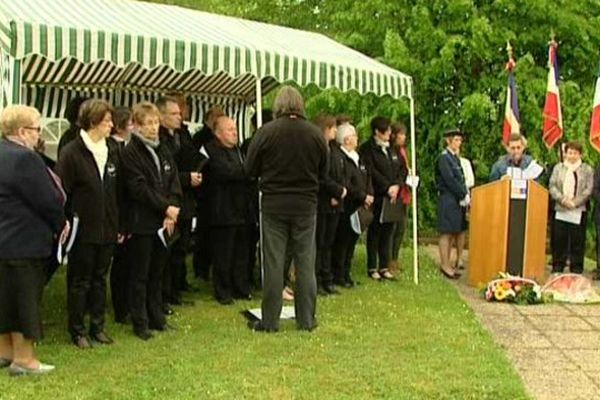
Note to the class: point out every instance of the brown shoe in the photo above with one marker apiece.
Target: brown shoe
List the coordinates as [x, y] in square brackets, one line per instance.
[82, 342]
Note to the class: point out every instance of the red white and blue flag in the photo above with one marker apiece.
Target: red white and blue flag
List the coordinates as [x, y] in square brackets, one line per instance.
[595, 124]
[511, 110]
[553, 126]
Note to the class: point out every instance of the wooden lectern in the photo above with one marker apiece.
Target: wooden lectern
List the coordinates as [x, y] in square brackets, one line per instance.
[507, 230]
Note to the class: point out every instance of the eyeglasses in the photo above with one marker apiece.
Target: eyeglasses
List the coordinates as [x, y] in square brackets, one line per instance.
[38, 129]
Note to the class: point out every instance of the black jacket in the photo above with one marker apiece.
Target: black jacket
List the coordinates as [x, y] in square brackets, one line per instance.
[385, 170]
[289, 155]
[202, 136]
[226, 186]
[359, 185]
[94, 200]
[67, 137]
[186, 158]
[335, 181]
[149, 193]
[31, 209]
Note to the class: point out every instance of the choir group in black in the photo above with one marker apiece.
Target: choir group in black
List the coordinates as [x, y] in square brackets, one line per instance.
[146, 193]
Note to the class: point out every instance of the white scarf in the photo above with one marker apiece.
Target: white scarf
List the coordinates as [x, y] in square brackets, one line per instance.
[383, 145]
[353, 155]
[569, 182]
[99, 150]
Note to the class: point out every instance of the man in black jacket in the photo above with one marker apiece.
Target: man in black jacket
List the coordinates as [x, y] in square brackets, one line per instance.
[179, 143]
[289, 156]
[88, 168]
[154, 196]
[360, 194]
[202, 250]
[388, 175]
[332, 191]
[228, 208]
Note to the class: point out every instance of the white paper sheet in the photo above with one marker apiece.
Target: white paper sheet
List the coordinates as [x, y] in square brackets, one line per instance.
[570, 216]
[355, 223]
[287, 312]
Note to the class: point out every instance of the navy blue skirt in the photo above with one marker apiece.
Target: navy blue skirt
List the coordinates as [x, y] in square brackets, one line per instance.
[451, 217]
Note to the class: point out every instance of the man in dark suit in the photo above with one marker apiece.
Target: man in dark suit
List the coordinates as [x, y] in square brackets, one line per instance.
[179, 143]
[202, 250]
[228, 207]
[289, 156]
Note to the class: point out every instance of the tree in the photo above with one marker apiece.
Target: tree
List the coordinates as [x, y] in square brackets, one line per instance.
[455, 51]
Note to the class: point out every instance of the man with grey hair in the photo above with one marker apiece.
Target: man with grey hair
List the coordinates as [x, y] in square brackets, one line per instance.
[289, 156]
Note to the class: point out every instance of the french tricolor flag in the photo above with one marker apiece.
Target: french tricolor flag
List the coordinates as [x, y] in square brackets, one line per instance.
[511, 110]
[595, 125]
[553, 126]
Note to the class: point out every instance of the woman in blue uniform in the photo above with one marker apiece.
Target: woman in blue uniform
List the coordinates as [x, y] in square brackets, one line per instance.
[453, 200]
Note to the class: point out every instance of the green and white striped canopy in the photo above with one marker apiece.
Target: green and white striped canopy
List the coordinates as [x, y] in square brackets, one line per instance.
[137, 46]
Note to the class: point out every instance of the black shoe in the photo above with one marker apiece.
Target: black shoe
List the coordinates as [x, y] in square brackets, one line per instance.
[322, 292]
[246, 297]
[175, 301]
[225, 302]
[102, 338]
[449, 276]
[330, 289]
[144, 334]
[309, 329]
[190, 289]
[126, 320]
[167, 310]
[163, 328]
[257, 326]
[82, 342]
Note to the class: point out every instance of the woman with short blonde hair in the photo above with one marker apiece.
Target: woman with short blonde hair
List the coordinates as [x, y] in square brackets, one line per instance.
[31, 213]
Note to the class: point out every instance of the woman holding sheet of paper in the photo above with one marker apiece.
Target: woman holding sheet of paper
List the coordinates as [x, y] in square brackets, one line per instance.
[153, 198]
[571, 187]
[88, 168]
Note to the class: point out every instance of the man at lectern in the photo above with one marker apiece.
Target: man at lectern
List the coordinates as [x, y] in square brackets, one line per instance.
[453, 200]
[516, 164]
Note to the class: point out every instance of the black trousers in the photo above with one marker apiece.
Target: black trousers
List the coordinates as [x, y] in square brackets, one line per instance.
[86, 286]
[326, 230]
[343, 250]
[296, 234]
[230, 261]
[202, 252]
[379, 239]
[568, 240]
[398, 235]
[175, 275]
[148, 259]
[253, 239]
[119, 281]
[52, 264]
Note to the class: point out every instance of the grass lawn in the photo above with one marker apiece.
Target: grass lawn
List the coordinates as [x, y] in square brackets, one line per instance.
[391, 340]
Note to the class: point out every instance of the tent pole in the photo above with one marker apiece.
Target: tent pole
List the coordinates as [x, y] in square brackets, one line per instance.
[413, 168]
[259, 120]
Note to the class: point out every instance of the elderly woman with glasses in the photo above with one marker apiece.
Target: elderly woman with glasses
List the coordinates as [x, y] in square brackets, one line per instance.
[31, 214]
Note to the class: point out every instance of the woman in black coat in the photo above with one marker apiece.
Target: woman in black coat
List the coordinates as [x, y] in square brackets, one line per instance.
[453, 200]
[360, 194]
[88, 168]
[153, 198]
[388, 176]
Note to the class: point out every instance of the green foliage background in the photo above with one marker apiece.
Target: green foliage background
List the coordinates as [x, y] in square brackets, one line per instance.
[455, 51]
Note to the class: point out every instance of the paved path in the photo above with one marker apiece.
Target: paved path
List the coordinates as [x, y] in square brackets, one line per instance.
[555, 348]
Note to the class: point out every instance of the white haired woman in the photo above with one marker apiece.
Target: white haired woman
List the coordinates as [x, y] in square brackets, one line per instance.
[31, 214]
